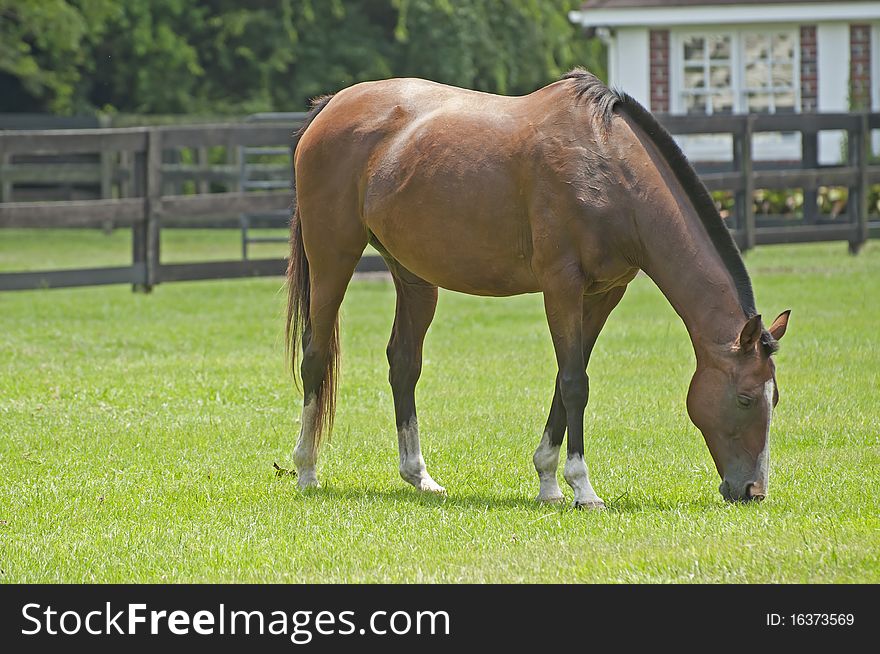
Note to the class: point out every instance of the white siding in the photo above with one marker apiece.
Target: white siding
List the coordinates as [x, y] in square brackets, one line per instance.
[629, 68]
[832, 45]
[875, 82]
[771, 12]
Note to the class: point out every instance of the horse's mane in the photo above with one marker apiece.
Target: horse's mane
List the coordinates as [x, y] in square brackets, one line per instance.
[316, 105]
[603, 101]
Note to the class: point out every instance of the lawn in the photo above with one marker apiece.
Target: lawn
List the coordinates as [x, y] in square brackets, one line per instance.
[138, 433]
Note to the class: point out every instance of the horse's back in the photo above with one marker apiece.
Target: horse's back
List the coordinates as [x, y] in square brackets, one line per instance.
[446, 179]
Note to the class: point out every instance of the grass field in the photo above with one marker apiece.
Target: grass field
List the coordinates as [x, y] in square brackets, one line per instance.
[138, 432]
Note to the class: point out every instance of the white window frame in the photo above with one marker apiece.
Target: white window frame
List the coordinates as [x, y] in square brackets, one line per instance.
[875, 82]
[676, 73]
[737, 63]
[719, 147]
[875, 66]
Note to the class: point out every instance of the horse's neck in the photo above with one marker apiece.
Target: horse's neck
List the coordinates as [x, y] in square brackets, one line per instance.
[684, 263]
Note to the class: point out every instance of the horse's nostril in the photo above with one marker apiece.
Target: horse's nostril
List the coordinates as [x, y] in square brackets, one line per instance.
[755, 491]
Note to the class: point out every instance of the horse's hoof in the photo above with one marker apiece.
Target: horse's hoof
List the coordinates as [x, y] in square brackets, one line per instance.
[305, 481]
[430, 486]
[550, 499]
[592, 505]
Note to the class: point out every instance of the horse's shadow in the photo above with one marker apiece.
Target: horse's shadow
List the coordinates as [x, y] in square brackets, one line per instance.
[625, 503]
[405, 495]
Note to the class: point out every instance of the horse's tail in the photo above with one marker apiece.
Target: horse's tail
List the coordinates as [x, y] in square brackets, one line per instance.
[298, 297]
[298, 310]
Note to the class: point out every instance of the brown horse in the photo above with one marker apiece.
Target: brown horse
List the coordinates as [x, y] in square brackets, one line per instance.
[568, 191]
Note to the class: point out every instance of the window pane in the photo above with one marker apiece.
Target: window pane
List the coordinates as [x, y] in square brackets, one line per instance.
[783, 46]
[695, 104]
[694, 47]
[757, 47]
[719, 47]
[759, 102]
[722, 103]
[693, 77]
[785, 102]
[719, 77]
[757, 75]
[783, 74]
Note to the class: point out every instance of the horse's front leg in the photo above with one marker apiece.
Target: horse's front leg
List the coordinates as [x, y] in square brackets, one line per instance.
[593, 313]
[416, 302]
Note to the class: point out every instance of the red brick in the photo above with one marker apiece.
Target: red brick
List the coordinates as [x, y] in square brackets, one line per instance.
[808, 69]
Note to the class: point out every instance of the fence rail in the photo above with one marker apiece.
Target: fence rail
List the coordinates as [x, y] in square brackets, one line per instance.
[143, 164]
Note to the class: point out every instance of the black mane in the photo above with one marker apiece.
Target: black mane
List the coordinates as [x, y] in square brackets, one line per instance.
[604, 101]
[317, 104]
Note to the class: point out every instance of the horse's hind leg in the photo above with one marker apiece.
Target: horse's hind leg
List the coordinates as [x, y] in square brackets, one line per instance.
[332, 260]
[546, 457]
[416, 302]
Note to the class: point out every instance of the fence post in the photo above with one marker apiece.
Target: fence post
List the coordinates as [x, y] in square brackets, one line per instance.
[145, 232]
[745, 199]
[5, 184]
[858, 195]
[139, 228]
[153, 205]
[810, 160]
[204, 162]
[107, 159]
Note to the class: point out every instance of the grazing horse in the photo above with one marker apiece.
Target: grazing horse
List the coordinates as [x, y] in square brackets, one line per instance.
[568, 191]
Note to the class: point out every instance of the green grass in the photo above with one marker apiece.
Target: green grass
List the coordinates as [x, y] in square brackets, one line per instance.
[138, 432]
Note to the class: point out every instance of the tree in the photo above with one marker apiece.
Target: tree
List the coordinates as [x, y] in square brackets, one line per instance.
[229, 56]
[45, 50]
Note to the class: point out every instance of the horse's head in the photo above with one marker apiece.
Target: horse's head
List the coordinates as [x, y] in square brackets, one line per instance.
[731, 400]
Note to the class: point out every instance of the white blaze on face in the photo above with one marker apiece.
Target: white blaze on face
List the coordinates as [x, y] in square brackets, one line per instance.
[763, 467]
[769, 392]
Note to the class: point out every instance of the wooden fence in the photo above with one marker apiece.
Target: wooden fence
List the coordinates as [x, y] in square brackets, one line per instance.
[143, 204]
[744, 175]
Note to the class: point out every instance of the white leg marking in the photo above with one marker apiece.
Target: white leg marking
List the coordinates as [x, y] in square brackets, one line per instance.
[412, 465]
[575, 474]
[305, 454]
[546, 460]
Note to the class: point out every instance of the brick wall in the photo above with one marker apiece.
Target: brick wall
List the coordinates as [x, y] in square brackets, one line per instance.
[659, 63]
[809, 70]
[860, 66]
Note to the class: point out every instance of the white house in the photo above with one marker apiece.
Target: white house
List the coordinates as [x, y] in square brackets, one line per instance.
[742, 56]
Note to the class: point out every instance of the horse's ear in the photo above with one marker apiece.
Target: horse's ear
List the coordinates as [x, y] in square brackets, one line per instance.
[750, 334]
[777, 329]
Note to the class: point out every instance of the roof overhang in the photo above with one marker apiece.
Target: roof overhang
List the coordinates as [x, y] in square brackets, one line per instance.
[726, 14]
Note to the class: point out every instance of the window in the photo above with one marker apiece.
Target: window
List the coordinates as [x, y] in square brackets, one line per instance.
[740, 71]
[769, 84]
[707, 81]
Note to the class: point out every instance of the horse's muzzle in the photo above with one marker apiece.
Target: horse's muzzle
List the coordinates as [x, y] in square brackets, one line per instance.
[753, 491]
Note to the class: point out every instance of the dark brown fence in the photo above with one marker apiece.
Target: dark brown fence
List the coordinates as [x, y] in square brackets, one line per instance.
[139, 171]
[743, 176]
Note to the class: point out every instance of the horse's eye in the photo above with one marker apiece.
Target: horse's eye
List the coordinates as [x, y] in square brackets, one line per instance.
[744, 401]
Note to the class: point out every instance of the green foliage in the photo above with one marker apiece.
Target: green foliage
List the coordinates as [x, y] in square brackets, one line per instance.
[45, 51]
[831, 202]
[225, 56]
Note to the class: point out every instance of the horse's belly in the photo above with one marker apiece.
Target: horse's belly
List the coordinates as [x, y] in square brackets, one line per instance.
[455, 218]
[459, 255]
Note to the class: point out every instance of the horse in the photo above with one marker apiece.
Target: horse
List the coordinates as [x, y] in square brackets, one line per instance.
[568, 191]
